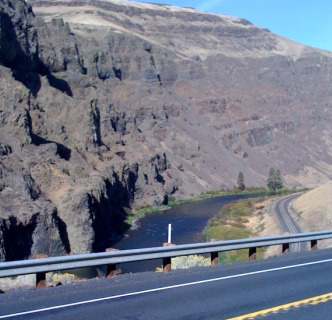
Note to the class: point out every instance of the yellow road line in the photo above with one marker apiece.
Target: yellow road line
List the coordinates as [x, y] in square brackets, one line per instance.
[296, 304]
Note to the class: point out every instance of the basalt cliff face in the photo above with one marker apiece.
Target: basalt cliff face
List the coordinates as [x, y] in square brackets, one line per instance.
[111, 104]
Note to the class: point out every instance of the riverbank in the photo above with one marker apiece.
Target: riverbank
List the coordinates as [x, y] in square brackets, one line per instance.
[137, 213]
[244, 219]
[233, 222]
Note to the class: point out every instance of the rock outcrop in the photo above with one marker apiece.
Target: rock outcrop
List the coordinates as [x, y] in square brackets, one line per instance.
[106, 105]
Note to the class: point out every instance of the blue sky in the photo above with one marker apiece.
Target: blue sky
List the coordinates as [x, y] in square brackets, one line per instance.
[305, 21]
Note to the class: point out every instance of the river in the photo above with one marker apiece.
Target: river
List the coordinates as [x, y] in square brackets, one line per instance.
[188, 222]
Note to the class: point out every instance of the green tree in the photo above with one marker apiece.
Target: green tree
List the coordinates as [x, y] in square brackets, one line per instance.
[271, 181]
[274, 181]
[278, 180]
[240, 181]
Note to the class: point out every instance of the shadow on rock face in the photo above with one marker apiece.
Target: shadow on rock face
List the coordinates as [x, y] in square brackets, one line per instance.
[18, 239]
[110, 215]
[25, 64]
[29, 79]
[59, 84]
[62, 150]
[54, 82]
[63, 234]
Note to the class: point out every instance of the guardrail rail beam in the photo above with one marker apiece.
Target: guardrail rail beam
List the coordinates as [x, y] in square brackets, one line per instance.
[111, 258]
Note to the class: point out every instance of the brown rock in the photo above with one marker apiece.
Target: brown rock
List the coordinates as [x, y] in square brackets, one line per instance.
[148, 102]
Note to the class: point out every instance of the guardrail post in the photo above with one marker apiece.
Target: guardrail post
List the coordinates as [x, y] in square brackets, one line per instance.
[313, 245]
[167, 262]
[252, 253]
[40, 280]
[111, 268]
[40, 276]
[285, 248]
[214, 256]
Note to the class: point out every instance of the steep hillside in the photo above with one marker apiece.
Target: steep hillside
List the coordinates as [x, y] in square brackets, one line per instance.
[111, 104]
[314, 208]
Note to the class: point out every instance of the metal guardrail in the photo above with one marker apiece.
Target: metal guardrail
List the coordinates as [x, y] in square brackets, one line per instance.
[43, 265]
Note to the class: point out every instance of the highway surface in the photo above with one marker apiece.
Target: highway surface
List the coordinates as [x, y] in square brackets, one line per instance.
[281, 208]
[293, 286]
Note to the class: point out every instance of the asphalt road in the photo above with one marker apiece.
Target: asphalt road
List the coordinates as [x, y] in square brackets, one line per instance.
[288, 225]
[281, 285]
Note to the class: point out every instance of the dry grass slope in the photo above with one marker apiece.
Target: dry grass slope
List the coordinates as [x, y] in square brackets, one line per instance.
[313, 210]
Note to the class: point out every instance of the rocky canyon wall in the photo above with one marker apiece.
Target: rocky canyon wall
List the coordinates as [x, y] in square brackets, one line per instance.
[109, 105]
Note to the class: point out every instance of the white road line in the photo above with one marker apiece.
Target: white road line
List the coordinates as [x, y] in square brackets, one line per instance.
[163, 289]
